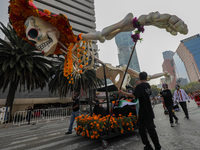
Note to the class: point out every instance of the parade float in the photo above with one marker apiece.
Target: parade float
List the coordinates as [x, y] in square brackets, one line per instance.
[52, 34]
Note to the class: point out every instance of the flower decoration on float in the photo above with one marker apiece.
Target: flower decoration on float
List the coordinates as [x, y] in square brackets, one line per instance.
[21, 10]
[96, 125]
[81, 53]
[140, 28]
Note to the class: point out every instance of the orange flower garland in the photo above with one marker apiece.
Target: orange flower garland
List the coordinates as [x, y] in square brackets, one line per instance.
[95, 126]
[68, 65]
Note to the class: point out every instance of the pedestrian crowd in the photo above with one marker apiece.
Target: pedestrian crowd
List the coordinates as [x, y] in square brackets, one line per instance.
[146, 116]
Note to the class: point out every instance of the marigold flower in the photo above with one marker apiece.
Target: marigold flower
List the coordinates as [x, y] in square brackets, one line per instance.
[81, 66]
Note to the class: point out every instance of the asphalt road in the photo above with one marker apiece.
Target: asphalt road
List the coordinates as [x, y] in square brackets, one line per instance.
[51, 135]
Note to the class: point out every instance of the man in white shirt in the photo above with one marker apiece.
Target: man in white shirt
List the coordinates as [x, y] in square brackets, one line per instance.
[182, 97]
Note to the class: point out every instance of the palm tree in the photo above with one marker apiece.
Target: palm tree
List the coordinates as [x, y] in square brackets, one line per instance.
[59, 83]
[21, 64]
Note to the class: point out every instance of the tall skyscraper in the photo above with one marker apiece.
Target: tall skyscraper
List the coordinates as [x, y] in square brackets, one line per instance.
[181, 72]
[125, 45]
[168, 65]
[168, 55]
[189, 52]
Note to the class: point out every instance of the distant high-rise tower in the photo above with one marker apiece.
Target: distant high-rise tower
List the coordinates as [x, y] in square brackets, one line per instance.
[168, 55]
[125, 45]
[189, 53]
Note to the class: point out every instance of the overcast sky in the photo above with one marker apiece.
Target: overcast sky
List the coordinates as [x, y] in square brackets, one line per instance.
[155, 40]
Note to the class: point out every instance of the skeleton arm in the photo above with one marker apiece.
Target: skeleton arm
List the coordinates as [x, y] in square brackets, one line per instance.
[165, 73]
[171, 23]
[135, 74]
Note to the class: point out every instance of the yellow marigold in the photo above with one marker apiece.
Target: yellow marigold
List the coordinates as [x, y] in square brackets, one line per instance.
[47, 12]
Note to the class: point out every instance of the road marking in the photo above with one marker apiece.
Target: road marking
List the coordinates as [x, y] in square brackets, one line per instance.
[17, 142]
[15, 147]
[52, 144]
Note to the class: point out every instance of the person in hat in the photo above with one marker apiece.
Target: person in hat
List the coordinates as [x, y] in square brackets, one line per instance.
[182, 97]
[168, 102]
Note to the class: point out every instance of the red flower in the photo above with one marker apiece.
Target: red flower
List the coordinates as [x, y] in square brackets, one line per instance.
[135, 37]
[136, 23]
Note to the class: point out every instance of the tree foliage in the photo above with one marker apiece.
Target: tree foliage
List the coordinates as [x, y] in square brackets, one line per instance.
[191, 87]
[21, 64]
[155, 90]
[59, 83]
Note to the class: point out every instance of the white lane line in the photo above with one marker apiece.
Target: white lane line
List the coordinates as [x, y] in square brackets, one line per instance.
[52, 144]
[17, 142]
[15, 147]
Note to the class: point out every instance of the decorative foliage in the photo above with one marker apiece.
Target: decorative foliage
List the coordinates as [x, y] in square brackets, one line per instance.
[95, 126]
[140, 28]
[77, 54]
[73, 82]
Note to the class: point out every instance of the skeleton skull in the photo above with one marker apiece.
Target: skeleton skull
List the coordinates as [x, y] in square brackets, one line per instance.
[42, 34]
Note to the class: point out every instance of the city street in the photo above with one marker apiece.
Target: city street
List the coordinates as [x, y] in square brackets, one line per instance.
[51, 135]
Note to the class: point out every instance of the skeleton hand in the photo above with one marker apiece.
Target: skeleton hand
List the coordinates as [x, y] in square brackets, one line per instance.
[166, 74]
[171, 23]
[168, 77]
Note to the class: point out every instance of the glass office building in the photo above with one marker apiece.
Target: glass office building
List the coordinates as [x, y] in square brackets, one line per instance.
[125, 46]
[189, 53]
[181, 72]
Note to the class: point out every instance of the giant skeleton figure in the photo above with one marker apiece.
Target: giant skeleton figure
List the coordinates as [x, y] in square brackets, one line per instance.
[46, 37]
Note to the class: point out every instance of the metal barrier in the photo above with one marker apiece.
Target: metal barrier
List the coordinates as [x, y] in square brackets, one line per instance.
[39, 115]
[4, 116]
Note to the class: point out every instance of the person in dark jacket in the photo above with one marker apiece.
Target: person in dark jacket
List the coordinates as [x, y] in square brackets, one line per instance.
[29, 113]
[146, 114]
[75, 112]
[167, 96]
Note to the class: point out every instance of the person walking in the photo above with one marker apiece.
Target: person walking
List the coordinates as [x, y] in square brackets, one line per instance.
[182, 98]
[168, 102]
[29, 114]
[75, 112]
[146, 114]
